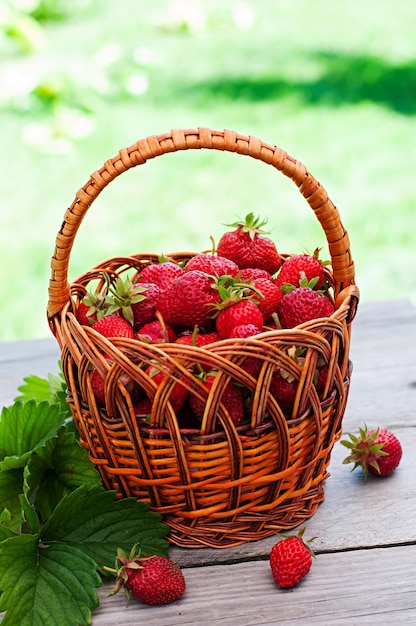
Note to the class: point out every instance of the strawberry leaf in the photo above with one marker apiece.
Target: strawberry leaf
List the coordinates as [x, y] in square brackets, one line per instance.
[58, 468]
[10, 489]
[25, 428]
[46, 585]
[52, 389]
[91, 520]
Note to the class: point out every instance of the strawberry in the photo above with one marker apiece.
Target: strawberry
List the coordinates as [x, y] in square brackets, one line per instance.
[301, 304]
[189, 300]
[212, 264]
[92, 307]
[161, 274]
[252, 273]
[137, 302]
[283, 385]
[149, 579]
[232, 398]
[291, 560]
[190, 338]
[114, 326]
[245, 330]
[272, 295]
[143, 407]
[377, 451]
[247, 246]
[293, 267]
[156, 332]
[239, 313]
[98, 387]
[178, 393]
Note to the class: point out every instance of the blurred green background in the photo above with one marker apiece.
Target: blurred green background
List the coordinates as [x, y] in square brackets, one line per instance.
[333, 83]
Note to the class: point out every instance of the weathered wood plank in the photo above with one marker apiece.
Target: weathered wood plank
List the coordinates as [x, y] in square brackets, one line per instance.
[373, 587]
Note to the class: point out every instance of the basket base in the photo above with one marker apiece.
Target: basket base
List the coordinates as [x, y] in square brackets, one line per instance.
[245, 527]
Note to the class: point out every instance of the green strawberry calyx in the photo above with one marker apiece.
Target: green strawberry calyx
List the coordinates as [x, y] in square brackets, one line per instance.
[303, 282]
[364, 452]
[251, 224]
[299, 535]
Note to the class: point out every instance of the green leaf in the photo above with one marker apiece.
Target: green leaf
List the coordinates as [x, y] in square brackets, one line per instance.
[24, 428]
[11, 487]
[46, 585]
[6, 522]
[53, 389]
[57, 469]
[91, 520]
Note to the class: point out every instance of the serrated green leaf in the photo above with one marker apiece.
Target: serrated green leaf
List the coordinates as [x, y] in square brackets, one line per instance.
[6, 522]
[58, 468]
[95, 523]
[45, 585]
[30, 514]
[24, 428]
[11, 487]
[53, 389]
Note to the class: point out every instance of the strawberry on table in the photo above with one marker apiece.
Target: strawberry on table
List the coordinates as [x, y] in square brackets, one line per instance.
[291, 560]
[248, 247]
[150, 579]
[377, 451]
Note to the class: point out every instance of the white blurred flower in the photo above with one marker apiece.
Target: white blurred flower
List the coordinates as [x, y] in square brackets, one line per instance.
[137, 84]
[244, 15]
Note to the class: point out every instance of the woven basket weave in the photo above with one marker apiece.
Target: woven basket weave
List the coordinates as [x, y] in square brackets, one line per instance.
[217, 486]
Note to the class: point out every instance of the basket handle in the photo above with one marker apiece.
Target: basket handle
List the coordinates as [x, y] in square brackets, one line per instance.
[226, 140]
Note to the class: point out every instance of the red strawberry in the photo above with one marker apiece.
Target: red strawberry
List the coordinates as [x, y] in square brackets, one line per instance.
[248, 247]
[376, 451]
[98, 387]
[301, 305]
[189, 300]
[197, 339]
[162, 274]
[156, 332]
[232, 398]
[283, 387]
[92, 307]
[212, 264]
[149, 579]
[290, 560]
[245, 330]
[272, 295]
[114, 326]
[252, 273]
[240, 313]
[291, 270]
[177, 395]
[143, 407]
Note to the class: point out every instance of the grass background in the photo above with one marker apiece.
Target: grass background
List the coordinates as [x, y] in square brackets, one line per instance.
[333, 83]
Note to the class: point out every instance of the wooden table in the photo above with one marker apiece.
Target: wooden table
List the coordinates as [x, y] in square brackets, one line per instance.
[365, 570]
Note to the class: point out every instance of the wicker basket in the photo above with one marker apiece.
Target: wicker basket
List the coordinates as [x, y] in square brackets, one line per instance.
[217, 486]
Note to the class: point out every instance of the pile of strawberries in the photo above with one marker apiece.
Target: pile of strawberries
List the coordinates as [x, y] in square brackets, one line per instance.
[243, 288]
